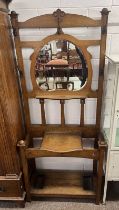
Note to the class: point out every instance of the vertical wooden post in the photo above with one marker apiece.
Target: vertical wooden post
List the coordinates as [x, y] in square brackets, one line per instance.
[102, 147]
[24, 164]
[15, 26]
[42, 111]
[104, 21]
[82, 101]
[62, 102]
[95, 161]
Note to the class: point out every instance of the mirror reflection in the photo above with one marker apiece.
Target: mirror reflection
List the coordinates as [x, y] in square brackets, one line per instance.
[61, 65]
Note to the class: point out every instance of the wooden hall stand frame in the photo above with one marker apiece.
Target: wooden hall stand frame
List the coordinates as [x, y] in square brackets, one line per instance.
[61, 140]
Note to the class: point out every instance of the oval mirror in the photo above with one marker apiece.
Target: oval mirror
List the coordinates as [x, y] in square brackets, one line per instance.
[61, 65]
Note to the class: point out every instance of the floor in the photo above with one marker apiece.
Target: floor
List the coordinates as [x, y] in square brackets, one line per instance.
[72, 204]
[46, 205]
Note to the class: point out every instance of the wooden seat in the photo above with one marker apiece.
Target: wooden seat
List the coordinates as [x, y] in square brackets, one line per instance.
[61, 142]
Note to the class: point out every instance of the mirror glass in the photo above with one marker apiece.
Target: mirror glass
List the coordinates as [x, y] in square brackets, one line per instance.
[61, 65]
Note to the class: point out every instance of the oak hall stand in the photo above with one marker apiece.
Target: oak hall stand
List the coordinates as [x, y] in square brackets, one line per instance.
[61, 140]
[111, 115]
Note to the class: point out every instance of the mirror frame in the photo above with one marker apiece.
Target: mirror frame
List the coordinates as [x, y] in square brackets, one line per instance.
[81, 44]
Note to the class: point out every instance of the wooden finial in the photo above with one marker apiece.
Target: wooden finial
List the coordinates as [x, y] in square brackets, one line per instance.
[14, 20]
[105, 11]
[21, 143]
[13, 14]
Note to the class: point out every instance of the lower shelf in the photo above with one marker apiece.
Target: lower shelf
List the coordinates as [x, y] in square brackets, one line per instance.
[62, 184]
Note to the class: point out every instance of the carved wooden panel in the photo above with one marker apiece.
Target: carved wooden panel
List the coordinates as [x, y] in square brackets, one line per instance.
[11, 129]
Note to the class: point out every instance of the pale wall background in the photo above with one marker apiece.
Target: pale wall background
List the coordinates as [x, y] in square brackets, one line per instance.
[27, 9]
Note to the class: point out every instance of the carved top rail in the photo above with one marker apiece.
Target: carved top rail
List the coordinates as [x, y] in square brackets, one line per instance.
[61, 19]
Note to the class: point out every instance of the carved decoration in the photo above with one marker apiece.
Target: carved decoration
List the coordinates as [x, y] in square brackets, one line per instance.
[58, 14]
